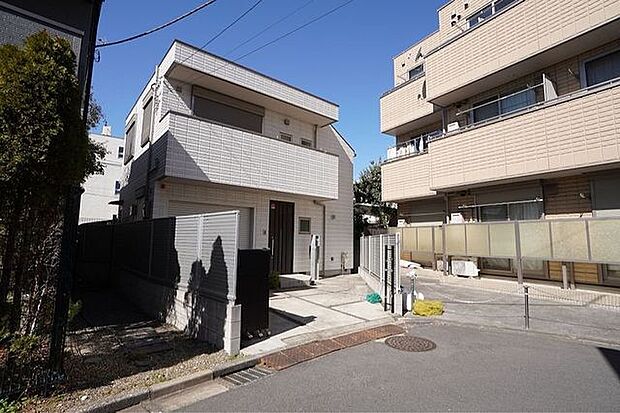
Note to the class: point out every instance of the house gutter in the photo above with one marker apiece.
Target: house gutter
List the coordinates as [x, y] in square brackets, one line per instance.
[147, 189]
[324, 242]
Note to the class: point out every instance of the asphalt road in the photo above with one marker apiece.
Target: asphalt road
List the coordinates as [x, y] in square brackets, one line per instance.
[471, 369]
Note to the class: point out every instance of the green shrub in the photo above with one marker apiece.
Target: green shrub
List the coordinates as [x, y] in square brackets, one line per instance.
[74, 309]
[274, 280]
[427, 308]
[7, 406]
[24, 349]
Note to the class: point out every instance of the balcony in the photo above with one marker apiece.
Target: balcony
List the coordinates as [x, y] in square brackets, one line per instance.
[577, 131]
[403, 105]
[406, 178]
[194, 66]
[487, 55]
[206, 151]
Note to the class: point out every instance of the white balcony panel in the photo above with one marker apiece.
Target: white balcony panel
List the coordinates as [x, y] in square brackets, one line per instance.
[211, 152]
[235, 74]
[406, 178]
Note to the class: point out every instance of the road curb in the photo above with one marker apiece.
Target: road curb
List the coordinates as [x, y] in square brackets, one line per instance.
[154, 391]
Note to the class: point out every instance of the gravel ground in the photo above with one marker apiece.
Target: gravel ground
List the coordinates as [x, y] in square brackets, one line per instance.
[106, 362]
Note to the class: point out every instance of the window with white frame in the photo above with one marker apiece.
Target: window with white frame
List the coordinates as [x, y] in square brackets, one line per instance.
[306, 142]
[117, 187]
[602, 69]
[286, 137]
[120, 152]
[147, 115]
[487, 11]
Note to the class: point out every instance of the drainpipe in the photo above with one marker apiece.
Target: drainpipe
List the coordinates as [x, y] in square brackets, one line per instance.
[147, 189]
[324, 241]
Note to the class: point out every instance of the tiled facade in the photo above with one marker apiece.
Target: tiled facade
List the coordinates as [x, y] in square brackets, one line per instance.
[554, 154]
[197, 161]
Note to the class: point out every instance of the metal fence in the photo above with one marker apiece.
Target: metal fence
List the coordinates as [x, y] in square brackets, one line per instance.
[379, 266]
[588, 240]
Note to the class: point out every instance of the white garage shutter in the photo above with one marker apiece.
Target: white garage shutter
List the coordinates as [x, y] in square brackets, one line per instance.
[246, 217]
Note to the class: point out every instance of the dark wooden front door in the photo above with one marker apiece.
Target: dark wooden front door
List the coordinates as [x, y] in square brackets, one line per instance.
[281, 233]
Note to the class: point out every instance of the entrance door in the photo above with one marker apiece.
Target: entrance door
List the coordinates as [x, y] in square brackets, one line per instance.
[281, 233]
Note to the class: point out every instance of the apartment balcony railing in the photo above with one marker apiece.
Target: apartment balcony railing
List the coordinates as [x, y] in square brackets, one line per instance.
[488, 51]
[208, 151]
[404, 104]
[415, 146]
[573, 131]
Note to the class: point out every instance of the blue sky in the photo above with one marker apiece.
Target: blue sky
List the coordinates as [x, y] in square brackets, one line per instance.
[345, 57]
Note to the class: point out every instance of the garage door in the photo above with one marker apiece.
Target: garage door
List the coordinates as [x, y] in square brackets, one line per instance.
[246, 217]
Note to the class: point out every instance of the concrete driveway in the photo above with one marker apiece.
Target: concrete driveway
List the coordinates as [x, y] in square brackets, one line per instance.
[335, 306]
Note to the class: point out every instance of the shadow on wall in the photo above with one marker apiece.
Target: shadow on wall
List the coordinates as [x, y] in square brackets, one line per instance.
[206, 297]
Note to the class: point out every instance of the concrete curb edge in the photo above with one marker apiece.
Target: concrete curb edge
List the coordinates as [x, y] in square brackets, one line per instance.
[126, 400]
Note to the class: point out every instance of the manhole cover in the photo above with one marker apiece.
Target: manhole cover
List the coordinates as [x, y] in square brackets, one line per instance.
[410, 343]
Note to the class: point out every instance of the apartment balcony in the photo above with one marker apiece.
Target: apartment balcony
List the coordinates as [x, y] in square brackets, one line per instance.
[207, 151]
[196, 67]
[404, 106]
[525, 37]
[580, 131]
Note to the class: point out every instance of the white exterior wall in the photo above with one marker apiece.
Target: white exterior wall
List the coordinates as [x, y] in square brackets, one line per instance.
[175, 95]
[99, 190]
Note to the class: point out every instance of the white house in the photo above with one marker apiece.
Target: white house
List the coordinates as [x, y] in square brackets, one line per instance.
[208, 135]
[100, 190]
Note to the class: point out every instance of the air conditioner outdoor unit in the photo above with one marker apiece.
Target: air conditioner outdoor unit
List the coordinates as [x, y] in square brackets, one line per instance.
[465, 268]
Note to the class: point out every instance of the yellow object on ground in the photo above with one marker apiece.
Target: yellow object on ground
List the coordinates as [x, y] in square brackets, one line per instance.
[427, 307]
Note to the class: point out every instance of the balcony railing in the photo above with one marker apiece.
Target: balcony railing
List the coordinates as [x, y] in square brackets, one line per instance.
[204, 150]
[415, 146]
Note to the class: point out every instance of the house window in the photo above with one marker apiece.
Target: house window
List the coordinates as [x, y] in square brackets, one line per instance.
[503, 104]
[117, 187]
[489, 10]
[306, 142]
[286, 137]
[602, 69]
[228, 110]
[304, 225]
[147, 115]
[120, 152]
[416, 71]
[130, 136]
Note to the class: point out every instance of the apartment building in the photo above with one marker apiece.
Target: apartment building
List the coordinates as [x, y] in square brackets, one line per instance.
[209, 135]
[509, 111]
[101, 191]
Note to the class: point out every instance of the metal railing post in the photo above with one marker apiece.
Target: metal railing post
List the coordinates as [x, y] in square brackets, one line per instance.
[564, 277]
[518, 260]
[444, 250]
[385, 277]
[392, 275]
[527, 306]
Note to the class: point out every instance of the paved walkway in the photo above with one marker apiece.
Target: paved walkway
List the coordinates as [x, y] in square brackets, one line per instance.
[335, 306]
[505, 309]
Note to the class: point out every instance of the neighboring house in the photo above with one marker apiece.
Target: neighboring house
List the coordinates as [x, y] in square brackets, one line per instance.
[101, 189]
[209, 135]
[509, 111]
[74, 20]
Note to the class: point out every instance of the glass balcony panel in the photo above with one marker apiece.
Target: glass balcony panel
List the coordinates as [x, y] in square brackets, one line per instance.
[569, 240]
[455, 239]
[503, 243]
[604, 236]
[535, 239]
[478, 240]
[425, 239]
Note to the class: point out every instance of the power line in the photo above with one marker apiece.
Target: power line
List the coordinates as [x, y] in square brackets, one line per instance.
[269, 27]
[221, 32]
[158, 28]
[295, 30]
